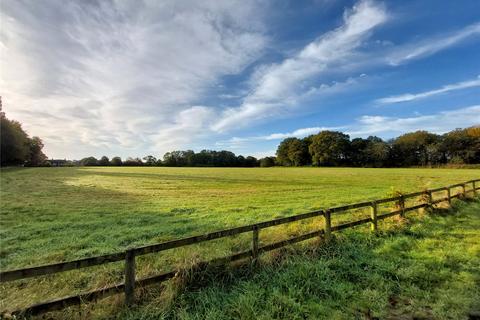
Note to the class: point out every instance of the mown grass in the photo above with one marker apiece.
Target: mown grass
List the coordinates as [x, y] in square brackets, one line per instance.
[58, 214]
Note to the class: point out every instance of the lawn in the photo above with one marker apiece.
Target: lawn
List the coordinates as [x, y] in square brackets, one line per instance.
[57, 214]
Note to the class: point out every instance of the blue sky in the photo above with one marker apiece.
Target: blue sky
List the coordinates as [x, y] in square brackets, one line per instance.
[133, 78]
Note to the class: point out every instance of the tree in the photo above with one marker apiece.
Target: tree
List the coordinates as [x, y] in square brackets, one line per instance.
[298, 153]
[36, 156]
[104, 161]
[282, 152]
[462, 146]
[16, 147]
[116, 161]
[376, 152]
[329, 148]
[358, 155]
[267, 162]
[150, 160]
[14, 142]
[133, 162]
[89, 161]
[413, 149]
[293, 152]
[251, 161]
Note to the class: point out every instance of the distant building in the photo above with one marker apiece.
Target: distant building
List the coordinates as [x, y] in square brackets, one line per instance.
[58, 162]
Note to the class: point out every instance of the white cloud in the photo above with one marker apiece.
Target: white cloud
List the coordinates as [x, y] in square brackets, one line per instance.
[382, 125]
[276, 86]
[432, 45]
[188, 123]
[237, 142]
[438, 123]
[426, 94]
[114, 76]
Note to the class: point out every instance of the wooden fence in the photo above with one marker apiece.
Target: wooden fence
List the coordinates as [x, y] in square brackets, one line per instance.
[128, 286]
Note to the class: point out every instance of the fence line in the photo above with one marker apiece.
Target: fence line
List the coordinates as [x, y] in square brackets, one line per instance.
[128, 287]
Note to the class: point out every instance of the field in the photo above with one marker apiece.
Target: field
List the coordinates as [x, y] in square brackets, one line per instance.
[58, 214]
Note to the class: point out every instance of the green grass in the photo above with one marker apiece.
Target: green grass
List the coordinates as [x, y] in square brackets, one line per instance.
[57, 214]
[428, 268]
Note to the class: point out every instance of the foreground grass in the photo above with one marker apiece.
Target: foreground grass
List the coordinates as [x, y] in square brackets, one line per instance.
[427, 268]
[57, 214]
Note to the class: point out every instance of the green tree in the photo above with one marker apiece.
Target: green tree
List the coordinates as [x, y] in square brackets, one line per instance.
[133, 162]
[329, 148]
[104, 161]
[413, 149]
[293, 152]
[36, 156]
[14, 142]
[150, 160]
[462, 146]
[376, 152]
[16, 147]
[282, 152]
[267, 162]
[116, 161]
[89, 161]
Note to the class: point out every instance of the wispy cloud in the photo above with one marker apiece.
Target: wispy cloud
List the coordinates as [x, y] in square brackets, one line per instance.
[278, 86]
[236, 142]
[432, 45]
[440, 122]
[115, 76]
[414, 96]
[367, 125]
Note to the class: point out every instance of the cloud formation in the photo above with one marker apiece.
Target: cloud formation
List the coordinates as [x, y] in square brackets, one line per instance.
[432, 45]
[440, 122]
[138, 76]
[414, 96]
[119, 74]
[380, 125]
[278, 86]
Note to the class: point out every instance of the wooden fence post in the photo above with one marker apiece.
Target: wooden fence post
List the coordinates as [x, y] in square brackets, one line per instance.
[449, 197]
[373, 216]
[474, 188]
[429, 199]
[464, 193]
[402, 206]
[255, 244]
[130, 277]
[328, 225]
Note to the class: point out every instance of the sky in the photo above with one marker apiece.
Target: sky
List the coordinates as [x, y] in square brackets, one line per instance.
[135, 78]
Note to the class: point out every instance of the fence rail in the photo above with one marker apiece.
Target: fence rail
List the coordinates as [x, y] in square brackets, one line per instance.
[128, 286]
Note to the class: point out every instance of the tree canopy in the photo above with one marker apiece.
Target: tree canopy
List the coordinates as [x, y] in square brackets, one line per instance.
[17, 148]
[419, 148]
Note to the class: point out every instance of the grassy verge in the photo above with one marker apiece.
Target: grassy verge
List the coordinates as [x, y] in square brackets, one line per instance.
[427, 268]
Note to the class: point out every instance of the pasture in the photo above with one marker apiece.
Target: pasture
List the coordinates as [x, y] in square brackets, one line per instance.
[58, 214]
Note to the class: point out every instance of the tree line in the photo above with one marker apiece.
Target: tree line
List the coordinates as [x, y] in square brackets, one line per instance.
[419, 148]
[332, 149]
[17, 148]
[188, 158]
